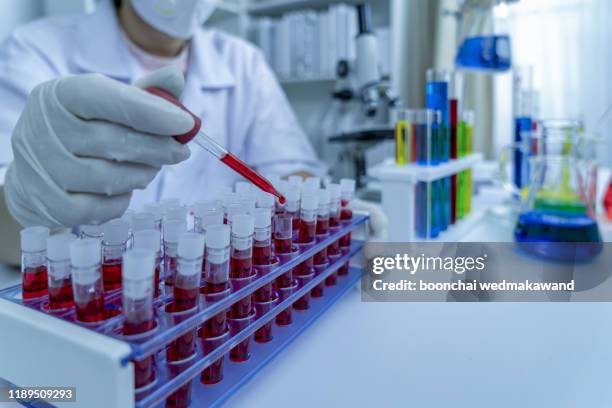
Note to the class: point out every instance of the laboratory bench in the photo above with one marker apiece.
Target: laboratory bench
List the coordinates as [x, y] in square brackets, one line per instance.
[366, 354]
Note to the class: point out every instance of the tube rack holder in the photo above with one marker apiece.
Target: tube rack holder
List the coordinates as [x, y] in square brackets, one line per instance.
[41, 348]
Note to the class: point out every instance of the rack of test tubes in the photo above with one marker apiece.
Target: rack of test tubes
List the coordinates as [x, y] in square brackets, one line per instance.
[427, 187]
[179, 306]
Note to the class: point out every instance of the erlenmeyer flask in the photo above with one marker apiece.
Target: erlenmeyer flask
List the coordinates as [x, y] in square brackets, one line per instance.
[559, 204]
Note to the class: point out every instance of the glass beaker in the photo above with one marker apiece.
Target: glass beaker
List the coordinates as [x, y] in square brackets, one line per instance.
[484, 44]
[559, 204]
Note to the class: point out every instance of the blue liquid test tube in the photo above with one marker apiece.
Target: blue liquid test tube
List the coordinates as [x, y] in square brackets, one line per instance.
[436, 94]
[522, 105]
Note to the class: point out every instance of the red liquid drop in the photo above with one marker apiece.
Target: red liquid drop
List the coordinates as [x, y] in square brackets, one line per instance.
[241, 167]
[111, 273]
[34, 282]
[61, 297]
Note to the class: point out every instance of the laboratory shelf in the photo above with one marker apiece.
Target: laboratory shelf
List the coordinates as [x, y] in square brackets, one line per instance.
[170, 377]
[389, 171]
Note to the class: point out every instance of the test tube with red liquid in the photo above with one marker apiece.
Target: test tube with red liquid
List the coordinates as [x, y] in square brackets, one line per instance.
[149, 239]
[292, 206]
[186, 290]
[306, 238]
[34, 262]
[172, 230]
[241, 274]
[320, 258]
[262, 256]
[87, 285]
[138, 317]
[216, 285]
[333, 250]
[283, 247]
[60, 281]
[347, 192]
[266, 200]
[114, 244]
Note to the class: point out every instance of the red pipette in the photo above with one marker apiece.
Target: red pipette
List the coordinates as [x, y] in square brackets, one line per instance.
[208, 144]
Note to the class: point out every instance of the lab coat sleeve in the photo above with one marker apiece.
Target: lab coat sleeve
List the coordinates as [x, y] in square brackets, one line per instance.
[275, 142]
[22, 67]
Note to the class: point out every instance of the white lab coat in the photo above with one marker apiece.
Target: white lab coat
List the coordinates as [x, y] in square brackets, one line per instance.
[228, 84]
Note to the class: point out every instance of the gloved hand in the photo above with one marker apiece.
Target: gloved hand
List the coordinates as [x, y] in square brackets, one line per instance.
[83, 143]
[378, 219]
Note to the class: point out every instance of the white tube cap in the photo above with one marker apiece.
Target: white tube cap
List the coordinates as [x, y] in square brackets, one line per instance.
[218, 236]
[262, 217]
[116, 232]
[229, 199]
[58, 246]
[138, 264]
[324, 197]
[243, 187]
[292, 192]
[334, 192]
[249, 203]
[347, 186]
[85, 252]
[265, 199]
[173, 229]
[203, 206]
[147, 239]
[243, 225]
[143, 221]
[313, 182]
[191, 245]
[34, 239]
[310, 200]
[176, 212]
[295, 180]
[212, 218]
[155, 209]
[233, 210]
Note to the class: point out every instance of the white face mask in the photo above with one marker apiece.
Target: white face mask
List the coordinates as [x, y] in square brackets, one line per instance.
[177, 18]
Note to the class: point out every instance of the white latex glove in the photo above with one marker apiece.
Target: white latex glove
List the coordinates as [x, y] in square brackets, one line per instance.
[378, 219]
[83, 143]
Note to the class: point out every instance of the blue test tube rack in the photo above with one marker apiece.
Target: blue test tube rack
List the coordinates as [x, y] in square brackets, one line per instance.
[168, 329]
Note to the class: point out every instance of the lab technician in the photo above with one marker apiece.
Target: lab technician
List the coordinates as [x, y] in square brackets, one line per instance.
[80, 143]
